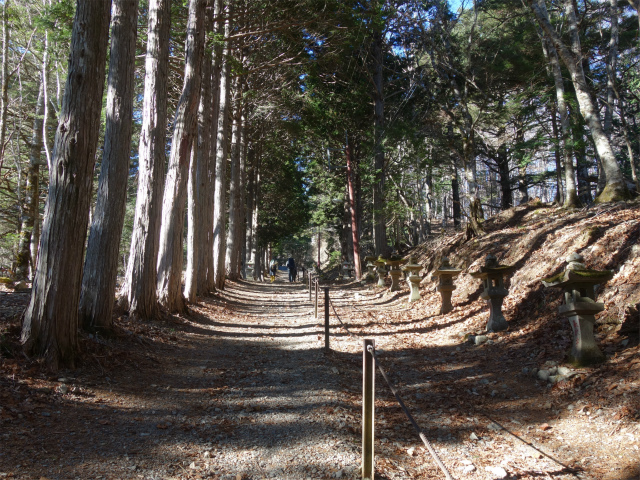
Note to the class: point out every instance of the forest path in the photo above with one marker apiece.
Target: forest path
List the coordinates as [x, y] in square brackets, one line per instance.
[240, 388]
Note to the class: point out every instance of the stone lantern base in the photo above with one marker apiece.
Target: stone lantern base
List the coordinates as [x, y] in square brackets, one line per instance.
[584, 350]
[494, 297]
[414, 284]
[445, 293]
[395, 280]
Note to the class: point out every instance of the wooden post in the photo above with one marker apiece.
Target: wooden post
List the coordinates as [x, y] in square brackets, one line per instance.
[316, 309]
[326, 319]
[368, 408]
[310, 284]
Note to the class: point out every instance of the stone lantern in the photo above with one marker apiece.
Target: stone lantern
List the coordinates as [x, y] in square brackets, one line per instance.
[249, 270]
[492, 275]
[346, 270]
[445, 275]
[394, 272]
[371, 267]
[380, 271]
[412, 269]
[580, 307]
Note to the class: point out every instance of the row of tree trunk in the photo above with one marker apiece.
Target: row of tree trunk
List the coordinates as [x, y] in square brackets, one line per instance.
[208, 132]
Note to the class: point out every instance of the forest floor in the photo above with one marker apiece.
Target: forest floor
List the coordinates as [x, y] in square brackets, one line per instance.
[241, 389]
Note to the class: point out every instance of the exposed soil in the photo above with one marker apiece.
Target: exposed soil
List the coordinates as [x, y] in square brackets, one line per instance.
[241, 388]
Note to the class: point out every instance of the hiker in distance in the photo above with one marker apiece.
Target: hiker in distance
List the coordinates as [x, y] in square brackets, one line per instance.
[291, 265]
[273, 268]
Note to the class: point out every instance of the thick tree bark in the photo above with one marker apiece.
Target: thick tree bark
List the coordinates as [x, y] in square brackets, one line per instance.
[241, 225]
[222, 150]
[101, 262]
[206, 171]
[170, 253]
[139, 292]
[616, 188]
[200, 220]
[24, 261]
[50, 326]
[193, 229]
[379, 221]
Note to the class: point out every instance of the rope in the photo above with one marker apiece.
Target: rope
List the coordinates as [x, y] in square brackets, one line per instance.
[341, 322]
[422, 436]
[424, 439]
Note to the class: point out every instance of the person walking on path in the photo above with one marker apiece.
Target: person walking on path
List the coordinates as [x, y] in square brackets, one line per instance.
[273, 268]
[291, 265]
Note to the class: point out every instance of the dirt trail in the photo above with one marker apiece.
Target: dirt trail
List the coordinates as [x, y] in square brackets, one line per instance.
[240, 389]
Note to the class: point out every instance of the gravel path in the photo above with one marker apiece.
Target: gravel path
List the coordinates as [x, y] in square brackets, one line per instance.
[276, 416]
[240, 389]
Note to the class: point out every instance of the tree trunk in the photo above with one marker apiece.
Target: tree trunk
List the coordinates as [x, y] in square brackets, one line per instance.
[101, 262]
[198, 224]
[139, 291]
[220, 207]
[582, 172]
[506, 197]
[24, 262]
[251, 166]
[557, 154]
[571, 193]
[235, 209]
[616, 188]
[355, 237]
[4, 87]
[241, 225]
[612, 66]
[170, 254]
[379, 222]
[50, 326]
[258, 268]
[215, 116]
[455, 196]
[193, 228]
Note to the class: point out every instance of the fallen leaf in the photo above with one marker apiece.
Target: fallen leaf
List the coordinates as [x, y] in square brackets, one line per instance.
[545, 427]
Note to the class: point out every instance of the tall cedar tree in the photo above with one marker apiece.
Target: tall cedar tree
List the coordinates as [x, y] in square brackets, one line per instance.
[139, 292]
[51, 321]
[170, 255]
[101, 262]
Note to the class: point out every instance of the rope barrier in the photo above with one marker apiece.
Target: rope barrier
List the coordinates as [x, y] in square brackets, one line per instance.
[355, 336]
[422, 436]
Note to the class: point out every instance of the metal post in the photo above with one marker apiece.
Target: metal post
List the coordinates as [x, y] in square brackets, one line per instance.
[317, 286]
[326, 319]
[368, 407]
